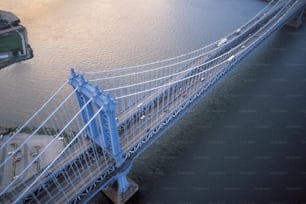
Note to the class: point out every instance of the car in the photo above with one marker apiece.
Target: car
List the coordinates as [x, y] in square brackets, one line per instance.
[221, 42]
[231, 58]
[139, 105]
[237, 32]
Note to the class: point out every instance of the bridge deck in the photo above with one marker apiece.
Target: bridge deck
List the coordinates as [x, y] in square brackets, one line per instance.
[84, 165]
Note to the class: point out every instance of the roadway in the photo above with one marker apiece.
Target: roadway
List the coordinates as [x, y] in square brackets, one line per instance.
[134, 114]
[171, 96]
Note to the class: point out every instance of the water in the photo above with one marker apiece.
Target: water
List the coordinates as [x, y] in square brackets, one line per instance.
[102, 35]
[245, 143]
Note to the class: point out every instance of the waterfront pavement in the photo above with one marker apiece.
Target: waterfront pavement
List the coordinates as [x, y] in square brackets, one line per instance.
[24, 156]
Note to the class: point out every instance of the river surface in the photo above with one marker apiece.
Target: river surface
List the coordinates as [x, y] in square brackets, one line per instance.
[244, 143]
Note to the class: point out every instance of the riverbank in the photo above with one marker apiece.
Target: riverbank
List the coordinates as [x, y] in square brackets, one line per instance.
[22, 158]
[6, 130]
[14, 46]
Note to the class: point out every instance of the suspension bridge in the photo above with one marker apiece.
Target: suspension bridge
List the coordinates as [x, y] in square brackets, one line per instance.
[85, 138]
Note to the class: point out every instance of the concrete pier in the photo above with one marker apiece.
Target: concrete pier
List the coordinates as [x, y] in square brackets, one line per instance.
[115, 197]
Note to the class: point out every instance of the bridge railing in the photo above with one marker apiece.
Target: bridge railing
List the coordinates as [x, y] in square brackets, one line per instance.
[73, 169]
[69, 156]
[181, 87]
[167, 98]
[118, 81]
[52, 139]
[55, 151]
[92, 75]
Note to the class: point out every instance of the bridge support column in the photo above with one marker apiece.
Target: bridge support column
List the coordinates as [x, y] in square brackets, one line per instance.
[122, 190]
[104, 132]
[87, 114]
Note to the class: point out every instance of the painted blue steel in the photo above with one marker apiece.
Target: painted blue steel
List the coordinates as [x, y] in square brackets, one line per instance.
[102, 181]
[88, 113]
[104, 130]
[175, 115]
[215, 81]
[62, 171]
[228, 45]
[108, 137]
[82, 97]
[108, 177]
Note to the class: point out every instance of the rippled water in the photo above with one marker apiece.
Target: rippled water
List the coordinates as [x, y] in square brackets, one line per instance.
[244, 143]
[106, 34]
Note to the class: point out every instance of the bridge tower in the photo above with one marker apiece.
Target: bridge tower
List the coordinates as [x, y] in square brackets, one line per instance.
[103, 131]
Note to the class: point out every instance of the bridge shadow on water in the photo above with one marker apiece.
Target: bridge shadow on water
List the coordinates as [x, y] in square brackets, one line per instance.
[244, 143]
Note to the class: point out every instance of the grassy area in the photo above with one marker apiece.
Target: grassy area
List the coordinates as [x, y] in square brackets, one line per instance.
[41, 131]
[10, 42]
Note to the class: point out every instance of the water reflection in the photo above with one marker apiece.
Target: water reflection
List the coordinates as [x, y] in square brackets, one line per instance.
[105, 34]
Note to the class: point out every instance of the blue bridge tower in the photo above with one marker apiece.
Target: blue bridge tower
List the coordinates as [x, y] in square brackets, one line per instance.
[104, 133]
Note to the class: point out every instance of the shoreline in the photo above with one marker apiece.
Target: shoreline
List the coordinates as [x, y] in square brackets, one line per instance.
[7, 130]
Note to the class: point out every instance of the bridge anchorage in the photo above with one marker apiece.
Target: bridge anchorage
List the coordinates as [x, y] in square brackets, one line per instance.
[85, 139]
[104, 133]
